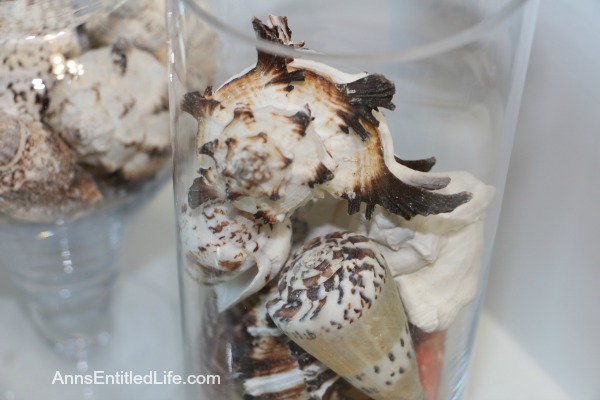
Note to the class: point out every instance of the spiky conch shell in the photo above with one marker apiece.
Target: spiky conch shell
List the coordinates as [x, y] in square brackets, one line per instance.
[357, 163]
[39, 180]
[338, 301]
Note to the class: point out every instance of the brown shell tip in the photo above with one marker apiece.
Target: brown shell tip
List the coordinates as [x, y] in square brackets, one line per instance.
[198, 105]
[423, 165]
[402, 199]
[363, 96]
[202, 190]
[277, 31]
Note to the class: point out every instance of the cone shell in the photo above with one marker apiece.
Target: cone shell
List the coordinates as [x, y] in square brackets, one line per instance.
[338, 301]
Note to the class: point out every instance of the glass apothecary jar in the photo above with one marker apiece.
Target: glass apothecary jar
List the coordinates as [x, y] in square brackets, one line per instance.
[84, 141]
[339, 168]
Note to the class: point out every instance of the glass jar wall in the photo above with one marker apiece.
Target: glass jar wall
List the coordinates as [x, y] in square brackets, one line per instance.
[339, 168]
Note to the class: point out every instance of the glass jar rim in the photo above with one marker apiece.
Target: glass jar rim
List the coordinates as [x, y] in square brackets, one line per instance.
[413, 53]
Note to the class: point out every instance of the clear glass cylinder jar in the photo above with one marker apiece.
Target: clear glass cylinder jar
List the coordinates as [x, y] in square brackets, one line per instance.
[339, 169]
[84, 142]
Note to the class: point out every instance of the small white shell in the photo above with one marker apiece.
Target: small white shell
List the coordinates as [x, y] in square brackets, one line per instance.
[229, 249]
[337, 300]
[101, 113]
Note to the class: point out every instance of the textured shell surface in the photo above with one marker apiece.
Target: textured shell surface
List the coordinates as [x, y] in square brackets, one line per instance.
[337, 300]
[100, 112]
[269, 364]
[141, 21]
[344, 114]
[21, 19]
[434, 294]
[229, 249]
[436, 260]
[42, 182]
[13, 136]
[271, 159]
[28, 70]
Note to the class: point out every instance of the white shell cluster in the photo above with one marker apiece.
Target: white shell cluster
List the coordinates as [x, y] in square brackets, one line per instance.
[89, 119]
[380, 243]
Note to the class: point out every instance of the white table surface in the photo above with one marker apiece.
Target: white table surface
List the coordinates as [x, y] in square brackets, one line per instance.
[538, 332]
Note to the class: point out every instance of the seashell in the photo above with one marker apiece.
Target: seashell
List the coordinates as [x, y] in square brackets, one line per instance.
[142, 22]
[13, 136]
[448, 249]
[436, 260]
[267, 158]
[41, 181]
[102, 113]
[344, 114]
[338, 301]
[269, 364]
[28, 70]
[229, 249]
[47, 20]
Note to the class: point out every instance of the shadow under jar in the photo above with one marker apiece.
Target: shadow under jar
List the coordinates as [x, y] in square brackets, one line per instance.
[339, 168]
[84, 142]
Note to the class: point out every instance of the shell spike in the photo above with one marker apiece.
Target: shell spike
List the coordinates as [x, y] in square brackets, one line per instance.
[276, 31]
[403, 199]
[198, 105]
[423, 165]
[363, 96]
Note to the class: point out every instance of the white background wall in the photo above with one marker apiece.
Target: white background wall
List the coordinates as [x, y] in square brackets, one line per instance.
[544, 289]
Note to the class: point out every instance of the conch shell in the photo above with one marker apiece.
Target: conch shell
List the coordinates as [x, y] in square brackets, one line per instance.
[338, 301]
[354, 160]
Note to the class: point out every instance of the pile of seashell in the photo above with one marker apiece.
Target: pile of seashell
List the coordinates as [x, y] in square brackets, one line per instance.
[84, 112]
[334, 251]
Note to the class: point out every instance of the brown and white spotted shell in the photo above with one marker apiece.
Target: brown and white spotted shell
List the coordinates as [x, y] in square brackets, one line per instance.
[231, 250]
[39, 180]
[357, 161]
[270, 365]
[338, 301]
